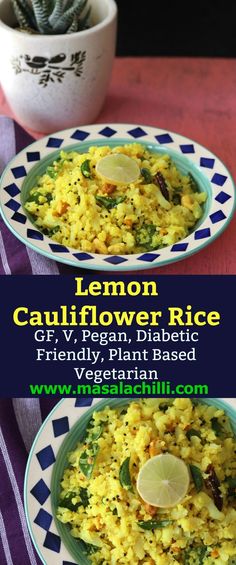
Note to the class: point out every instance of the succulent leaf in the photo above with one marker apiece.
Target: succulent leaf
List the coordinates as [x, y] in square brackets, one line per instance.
[21, 18]
[57, 12]
[74, 26]
[52, 16]
[69, 3]
[41, 17]
[24, 14]
[46, 7]
[83, 22]
[67, 18]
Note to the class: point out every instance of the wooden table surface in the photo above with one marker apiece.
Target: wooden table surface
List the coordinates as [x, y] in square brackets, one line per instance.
[194, 97]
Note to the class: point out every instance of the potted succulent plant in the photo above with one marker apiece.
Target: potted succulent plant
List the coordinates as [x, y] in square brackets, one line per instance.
[56, 59]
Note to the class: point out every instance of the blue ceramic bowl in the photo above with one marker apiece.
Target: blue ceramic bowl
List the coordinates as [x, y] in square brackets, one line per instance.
[190, 157]
[46, 464]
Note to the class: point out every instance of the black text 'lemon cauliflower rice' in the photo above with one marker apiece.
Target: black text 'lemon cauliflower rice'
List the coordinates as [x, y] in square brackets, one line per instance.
[77, 207]
[99, 498]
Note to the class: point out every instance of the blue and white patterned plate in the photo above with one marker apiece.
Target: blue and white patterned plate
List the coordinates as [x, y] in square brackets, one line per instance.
[40, 467]
[210, 173]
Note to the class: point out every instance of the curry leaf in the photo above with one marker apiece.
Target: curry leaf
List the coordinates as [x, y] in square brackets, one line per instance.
[216, 426]
[176, 199]
[163, 407]
[197, 477]
[146, 175]
[124, 475]
[231, 486]
[192, 432]
[88, 459]
[93, 431]
[96, 433]
[83, 493]
[66, 502]
[85, 169]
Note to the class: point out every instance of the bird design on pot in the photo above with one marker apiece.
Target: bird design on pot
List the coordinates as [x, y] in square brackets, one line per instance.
[41, 62]
[50, 69]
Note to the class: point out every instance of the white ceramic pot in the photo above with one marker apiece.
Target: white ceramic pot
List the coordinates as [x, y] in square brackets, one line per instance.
[52, 82]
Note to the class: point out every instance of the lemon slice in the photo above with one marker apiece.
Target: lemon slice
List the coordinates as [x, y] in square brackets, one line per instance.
[118, 168]
[163, 481]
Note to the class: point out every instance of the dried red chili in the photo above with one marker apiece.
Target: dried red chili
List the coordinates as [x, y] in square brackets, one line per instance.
[160, 181]
[213, 484]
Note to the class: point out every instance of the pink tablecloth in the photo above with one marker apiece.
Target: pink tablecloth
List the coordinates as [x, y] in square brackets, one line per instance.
[194, 97]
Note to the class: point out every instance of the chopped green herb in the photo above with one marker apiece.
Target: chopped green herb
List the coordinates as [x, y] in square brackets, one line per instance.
[197, 477]
[144, 236]
[231, 482]
[217, 427]
[232, 487]
[154, 524]
[66, 502]
[124, 475]
[191, 432]
[195, 555]
[87, 548]
[83, 493]
[163, 407]
[85, 169]
[109, 202]
[50, 232]
[146, 175]
[52, 172]
[88, 457]
[34, 197]
[176, 199]
[90, 425]
[114, 512]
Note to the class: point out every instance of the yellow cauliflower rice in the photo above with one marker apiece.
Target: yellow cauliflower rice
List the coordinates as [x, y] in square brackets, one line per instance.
[76, 207]
[99, 499]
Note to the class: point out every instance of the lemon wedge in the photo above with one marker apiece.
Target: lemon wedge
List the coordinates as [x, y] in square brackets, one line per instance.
[163, 481]
[118, 168]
